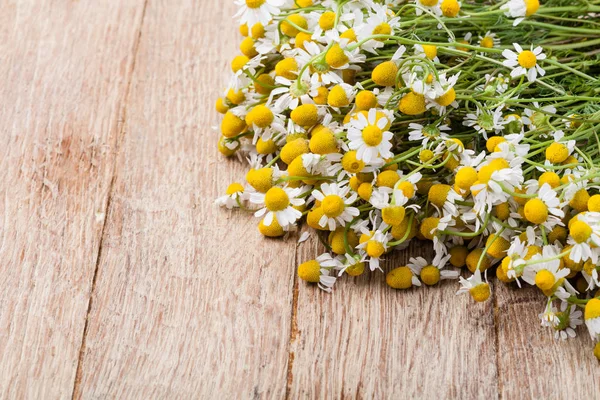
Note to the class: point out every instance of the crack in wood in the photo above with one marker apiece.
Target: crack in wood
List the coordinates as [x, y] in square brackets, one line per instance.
[119, 139]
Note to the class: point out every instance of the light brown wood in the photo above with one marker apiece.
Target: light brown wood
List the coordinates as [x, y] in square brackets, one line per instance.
[535, 365]
[367, 340]
[121, 279]
[190, 300]
[65, 68]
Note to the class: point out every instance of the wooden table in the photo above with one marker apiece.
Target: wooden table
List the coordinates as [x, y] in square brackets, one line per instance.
[119, 278]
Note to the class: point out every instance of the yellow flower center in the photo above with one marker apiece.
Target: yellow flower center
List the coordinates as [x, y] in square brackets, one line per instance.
[450, 8]
[579, 202]
[544, 279]
[594, 203]
[327, 20]
[557, 153]
[287, 68]
[290, 30]
[294, 149]
[305, 115]
[337, 97]
[412, 104]
[382, 29]
[375, 249]
[429, 227]
[351, 164]
[592, 309]
[235, 188]
[336, 57]
[385, 74]
[425, 155]
[580, 231]
[310, 271]
[387, 179]
[273, 230]
[356, 269]
[465, 177]
[429, 3]
[458, 256]
[260, 116]
[365, 190]
[531, 6]
[372, 135]
[350, 35]
[485, 173]
[430, 275]
[332, 205]
[276, 199]
[430, 50]
[527, 59]
[447, 98]
[536, 211]
[438, 193]
[481, 292]
[549, 177]
[365, 100]
[407, 189]
[399, 278]
[254, 3]
[496, 246]
[393, 215]
[487, 42]
[238, 63]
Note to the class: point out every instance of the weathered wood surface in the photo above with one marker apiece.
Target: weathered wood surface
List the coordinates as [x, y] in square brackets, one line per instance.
[120, 279]
[65, 67]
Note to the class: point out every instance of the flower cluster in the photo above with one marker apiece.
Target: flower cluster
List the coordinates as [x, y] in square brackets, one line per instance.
[473, 126]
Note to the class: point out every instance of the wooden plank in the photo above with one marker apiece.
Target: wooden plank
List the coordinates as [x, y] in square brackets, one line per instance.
[366, 340]
[190, 301]
[535, 365]
[65, 68]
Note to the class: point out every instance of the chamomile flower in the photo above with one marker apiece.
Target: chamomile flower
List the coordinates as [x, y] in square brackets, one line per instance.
[369, 135]
[520, 9]
[524, 62]
[321, 271]
[544, 271]
[445, 95]
[374, 244]
[319, 72]
[484, 121]
[592, 318]
[564, 320]
[545, 209]
[427, 133]
[289, 94]
[433, 6]
[258, 11]
[584, 236]
[432, 273]
[336, 204]
[377, 23]
[279, 204]
[235, 196]
[478, 289]
[489, 40]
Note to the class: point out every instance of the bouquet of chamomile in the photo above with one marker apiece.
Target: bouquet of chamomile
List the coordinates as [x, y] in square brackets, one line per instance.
[473, 125]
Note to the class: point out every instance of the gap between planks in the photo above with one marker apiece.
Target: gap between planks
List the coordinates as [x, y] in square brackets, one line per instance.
[294, 331]
[293, 327]
[118, 141]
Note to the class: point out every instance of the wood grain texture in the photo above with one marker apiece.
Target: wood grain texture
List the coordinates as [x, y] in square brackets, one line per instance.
[65, 67]
[535, 365]
[190, 301]
[366, 340]
[121, 279]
